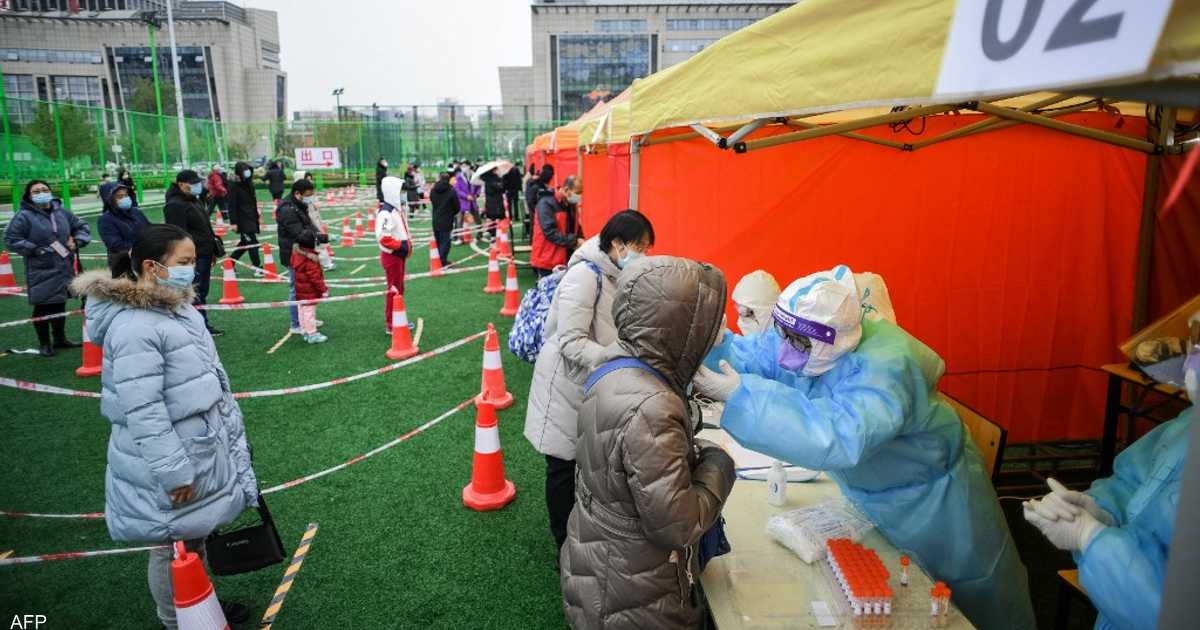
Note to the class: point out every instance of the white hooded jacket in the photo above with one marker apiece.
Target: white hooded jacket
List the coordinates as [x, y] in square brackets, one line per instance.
[394, 223]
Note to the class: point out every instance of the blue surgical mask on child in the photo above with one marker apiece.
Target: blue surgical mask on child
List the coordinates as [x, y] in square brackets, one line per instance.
[179, 277]
[791, 358]
[628, 258]
[197, 188]
[42, 198]
[125, 203]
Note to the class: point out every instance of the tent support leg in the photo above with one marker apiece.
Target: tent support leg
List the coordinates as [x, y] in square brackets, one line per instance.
[1058, 125]
[1145, 253]
[635, 159]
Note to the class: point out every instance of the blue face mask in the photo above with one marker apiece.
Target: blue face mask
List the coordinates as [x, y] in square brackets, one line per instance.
[179, 277]
[790, 358]
[197, 188]
[246, 174]
[42, 198]
[628, 258]
[125, 203]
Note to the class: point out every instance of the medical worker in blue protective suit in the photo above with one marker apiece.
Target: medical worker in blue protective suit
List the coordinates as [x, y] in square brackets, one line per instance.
[1119, 531]
[828, 390]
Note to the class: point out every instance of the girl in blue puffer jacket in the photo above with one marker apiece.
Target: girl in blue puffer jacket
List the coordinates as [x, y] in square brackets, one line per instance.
[178, 461]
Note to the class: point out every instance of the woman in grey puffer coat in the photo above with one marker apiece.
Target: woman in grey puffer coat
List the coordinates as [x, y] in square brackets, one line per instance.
[647, 489]
[578, 326]
[178, 461]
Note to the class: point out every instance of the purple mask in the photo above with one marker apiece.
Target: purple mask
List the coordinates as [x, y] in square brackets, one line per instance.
[790, 358]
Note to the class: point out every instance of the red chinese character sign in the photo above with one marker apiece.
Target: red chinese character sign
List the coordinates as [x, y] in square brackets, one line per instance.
[314, 158]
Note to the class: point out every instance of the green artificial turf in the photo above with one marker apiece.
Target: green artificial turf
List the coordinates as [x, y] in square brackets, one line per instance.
[396, 547]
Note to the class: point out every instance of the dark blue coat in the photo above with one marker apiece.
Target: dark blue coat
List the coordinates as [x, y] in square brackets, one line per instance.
[30, 234]
[119, 227]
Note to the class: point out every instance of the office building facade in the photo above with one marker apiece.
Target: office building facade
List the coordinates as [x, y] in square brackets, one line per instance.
[587, 51]
[228, 57]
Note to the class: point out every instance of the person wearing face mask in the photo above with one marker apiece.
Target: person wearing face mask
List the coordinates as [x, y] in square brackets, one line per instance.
[296, 226]
[1119, 531]
[578, 326]
[467, 194]
[754, 297]
[556, 230]
[828, 389]
[184, 208]
[395, 241]
[243, 214]
[275, 179]
[444, 202]
[48, 238]
[178, 460]
[121, 222]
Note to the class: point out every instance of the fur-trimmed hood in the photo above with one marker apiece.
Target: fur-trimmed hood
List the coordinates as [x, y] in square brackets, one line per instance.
[108, 297]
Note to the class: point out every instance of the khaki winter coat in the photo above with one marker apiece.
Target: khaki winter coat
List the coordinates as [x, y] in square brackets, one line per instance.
[646, 489]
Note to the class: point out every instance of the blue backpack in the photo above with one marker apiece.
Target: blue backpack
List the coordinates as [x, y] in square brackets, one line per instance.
[526, 338]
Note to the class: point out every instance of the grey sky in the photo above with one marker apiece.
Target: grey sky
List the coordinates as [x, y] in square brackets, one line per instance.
[398, 52]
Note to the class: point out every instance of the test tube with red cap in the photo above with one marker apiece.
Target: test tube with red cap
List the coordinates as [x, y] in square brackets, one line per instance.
[904, 570]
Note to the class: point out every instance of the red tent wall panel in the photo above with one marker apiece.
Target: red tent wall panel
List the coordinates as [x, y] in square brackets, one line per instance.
[1176, 266]
[595, 193]
[618, 177]
[566, 163]
[1010, 253]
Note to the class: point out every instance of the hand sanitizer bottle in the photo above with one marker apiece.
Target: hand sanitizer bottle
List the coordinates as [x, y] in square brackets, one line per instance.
[777, 485]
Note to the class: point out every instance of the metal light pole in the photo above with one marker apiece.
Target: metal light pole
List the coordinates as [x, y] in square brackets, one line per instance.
[183, 143]
[338, 95]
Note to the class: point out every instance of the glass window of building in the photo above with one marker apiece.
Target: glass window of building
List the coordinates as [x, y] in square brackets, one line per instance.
[32, 55]
[77, 90]
[592, 68]
[709, 24]
[621, 26]
[21, 95]
[689, 45]
[135, 63]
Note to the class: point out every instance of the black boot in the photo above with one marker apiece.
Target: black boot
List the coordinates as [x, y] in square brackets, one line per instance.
[235, 612]
[46, 351]
[66, 343]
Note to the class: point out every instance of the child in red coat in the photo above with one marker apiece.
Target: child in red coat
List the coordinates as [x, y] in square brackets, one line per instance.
[310, 285]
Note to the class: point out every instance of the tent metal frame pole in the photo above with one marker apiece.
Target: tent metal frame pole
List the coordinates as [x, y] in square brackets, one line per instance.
[635, 159]
[745, 130]
[708, 134]
[1058, 125]
[842, 128]
[995, 124]
[1145, 253]
[799, 124]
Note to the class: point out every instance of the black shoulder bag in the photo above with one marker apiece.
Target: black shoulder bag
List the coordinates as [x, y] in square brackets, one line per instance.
[246, 549]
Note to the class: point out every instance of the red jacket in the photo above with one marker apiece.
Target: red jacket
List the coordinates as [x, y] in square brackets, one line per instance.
[554, 233]
[216, 188]
[310, 280]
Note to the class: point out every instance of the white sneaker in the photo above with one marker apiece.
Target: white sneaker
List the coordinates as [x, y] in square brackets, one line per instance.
[320, 323]
[329, 268]
[296, 330]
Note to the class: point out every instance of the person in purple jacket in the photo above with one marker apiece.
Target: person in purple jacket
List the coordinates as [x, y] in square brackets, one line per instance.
[467, 194]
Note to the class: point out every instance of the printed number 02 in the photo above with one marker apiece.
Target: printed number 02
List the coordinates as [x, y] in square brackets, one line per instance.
[1071, 30]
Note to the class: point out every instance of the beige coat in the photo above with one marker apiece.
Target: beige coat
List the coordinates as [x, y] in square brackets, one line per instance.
[646, 489]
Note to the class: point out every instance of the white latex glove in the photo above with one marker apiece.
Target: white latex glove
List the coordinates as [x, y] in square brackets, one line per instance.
[1065, 499]
[1073, 535]
[717, 385]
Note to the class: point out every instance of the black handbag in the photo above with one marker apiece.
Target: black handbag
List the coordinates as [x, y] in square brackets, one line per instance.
[246, 549]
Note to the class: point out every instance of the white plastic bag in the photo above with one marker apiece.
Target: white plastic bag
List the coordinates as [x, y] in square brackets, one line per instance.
[805, 530]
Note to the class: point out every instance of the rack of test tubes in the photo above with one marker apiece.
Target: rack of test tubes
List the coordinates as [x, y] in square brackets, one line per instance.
[862, 595]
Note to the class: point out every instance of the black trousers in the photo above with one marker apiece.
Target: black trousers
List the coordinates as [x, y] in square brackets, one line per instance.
[58, 325]
[514, 208]
[443, 245]
[247, 239]
[202, 282]
[560, 495]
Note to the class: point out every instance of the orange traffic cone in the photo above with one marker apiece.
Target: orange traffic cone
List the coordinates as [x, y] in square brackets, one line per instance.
[358, 225]
[229, 291]
[468, 226]
[493, 391]
[93, 356]
[220, 229]
[269, 264]
[8, 282]
[512, 292]
[196, 605]
[502, 237]
[435, 261]
[493, 280]
[488, 490]
[402, 345]
[347, 236]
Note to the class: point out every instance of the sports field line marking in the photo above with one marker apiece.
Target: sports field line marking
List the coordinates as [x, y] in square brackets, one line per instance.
[289, 575]
[358, 269]
[279, 343]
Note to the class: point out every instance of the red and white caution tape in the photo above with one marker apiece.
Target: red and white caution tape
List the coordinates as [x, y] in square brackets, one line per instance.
[73, 555]
[45, 389]
[484, 252]
[371, 453]
[249, 306]
[413, 276]
[40, 319]
[349, 379]
[85, 515]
